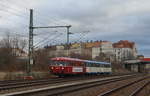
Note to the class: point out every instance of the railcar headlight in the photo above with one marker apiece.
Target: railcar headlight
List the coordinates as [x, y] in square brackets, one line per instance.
[52, 68]
[62, 67]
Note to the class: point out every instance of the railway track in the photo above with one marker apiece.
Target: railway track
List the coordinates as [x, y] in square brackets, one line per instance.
[138, 90]
[132, 88]
[7, 87]
[14, 85]
[70, 87]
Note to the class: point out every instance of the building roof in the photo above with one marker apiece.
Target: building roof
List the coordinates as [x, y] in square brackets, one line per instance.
[146, 59]
[124, 44]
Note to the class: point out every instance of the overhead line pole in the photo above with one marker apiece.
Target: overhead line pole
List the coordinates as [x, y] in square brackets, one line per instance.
[30, 50]
[68, 40]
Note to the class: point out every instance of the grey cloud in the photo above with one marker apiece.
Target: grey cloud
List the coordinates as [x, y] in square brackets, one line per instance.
[107, 20]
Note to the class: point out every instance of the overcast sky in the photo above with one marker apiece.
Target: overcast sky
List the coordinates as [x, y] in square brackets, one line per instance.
[111, 20]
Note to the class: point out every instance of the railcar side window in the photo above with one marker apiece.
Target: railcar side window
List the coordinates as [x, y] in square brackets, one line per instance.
[76, 63]
[107, 66]
[50, 62]
[82, 64]
[89, 64]
[85, 64]
[97, 65]
[66, 63]
[94, 65]
[70, 63]
[102, 65]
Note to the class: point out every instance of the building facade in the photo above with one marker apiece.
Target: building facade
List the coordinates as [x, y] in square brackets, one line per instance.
[120, 51]
[124, 50]
[105, 47]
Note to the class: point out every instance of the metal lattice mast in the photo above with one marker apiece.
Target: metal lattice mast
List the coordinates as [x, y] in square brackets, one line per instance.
[30, 50]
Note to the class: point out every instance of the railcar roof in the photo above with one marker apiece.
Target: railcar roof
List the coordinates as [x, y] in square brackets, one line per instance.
[65, 58]
[75, 59]
[97, 62]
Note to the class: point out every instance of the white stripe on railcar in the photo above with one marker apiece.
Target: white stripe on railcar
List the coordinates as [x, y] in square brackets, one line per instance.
[97, 69]
[77, 69]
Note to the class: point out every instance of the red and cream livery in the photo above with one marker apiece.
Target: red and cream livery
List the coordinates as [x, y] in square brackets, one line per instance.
[71, 66]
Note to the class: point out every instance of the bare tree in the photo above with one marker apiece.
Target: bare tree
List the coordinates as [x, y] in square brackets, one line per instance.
[22, 44]
[41, 58]
[8, 60]
[18, 42]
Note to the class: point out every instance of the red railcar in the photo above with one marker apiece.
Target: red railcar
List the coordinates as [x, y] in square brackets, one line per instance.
[66, 66]
[71, 66]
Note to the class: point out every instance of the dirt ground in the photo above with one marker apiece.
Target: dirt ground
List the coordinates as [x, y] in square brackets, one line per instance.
[19, 75]
[2, 75]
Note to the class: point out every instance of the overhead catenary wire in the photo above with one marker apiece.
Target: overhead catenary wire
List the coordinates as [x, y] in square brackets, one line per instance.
[48, 40]
[45, 17]
[38, 36]
[80, 36]
[15, 12]
[43, 39]
[54, 39]
[52, 19]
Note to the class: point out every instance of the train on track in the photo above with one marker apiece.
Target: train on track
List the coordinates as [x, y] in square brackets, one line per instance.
[64, 66]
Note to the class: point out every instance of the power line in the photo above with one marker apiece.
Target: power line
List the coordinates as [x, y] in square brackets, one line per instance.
[41, 33]
[46, 41]
[16, 10]
[13, 11]
[46, 19]
[82, 34]
[43, 39]
[14, 15]
[52, 19]
[38, 35]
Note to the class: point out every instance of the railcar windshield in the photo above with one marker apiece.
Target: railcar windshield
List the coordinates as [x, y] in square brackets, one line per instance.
[58, 63]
